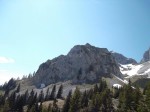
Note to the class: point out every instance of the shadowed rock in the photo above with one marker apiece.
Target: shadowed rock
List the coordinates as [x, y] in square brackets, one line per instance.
[122, 59]
[146, 56]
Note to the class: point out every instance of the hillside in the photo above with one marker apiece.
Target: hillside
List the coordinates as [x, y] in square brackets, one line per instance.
[90, 79]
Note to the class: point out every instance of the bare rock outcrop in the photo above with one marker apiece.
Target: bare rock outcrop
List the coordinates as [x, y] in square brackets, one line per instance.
[121, 59]
[146, 56]
[83, 64]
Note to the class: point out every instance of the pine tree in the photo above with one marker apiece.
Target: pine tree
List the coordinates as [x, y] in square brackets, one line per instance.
[95, 88]
[129, 98]
[53, 93]
[123, 101]
[147, 93]
[66, 105]
[36, 107]
[32, 109]
[84, 100]
[6, 107]
[90, 93]
[41, 96]
[49, 108]
[129, 83]
[11, 100]
[102, 85]
[106, 98]
[55, 107]
[60, 91]
[19, 103]
[31, 99]
[47, 95]
[95, 103]
[137, 97]
[2, 99]
[142, 107]
[35, 98]
[75, 104]
[25, 97]
[116, 92]
[18, 88]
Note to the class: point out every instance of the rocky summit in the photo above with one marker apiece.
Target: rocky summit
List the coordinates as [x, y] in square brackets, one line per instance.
[83, 64]
[146, 56]
[121, 59]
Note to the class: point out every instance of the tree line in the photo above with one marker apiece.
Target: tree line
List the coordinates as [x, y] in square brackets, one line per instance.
[100, 98]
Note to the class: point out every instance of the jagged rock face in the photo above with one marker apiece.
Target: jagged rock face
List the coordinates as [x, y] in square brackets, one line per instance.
[83, 64]
[146, 56]
[122, 59]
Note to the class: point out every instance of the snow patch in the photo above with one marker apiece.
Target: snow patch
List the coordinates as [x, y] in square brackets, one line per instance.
[42, 86]
[125, 81]
[147, 71]
[117, 86]
[130, 69]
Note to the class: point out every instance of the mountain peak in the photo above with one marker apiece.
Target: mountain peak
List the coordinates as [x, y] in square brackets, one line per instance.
[146, 56]
[86, 49]
[87, 44]
[83, 64]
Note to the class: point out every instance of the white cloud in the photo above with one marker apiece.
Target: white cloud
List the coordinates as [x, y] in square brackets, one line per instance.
[6, 60]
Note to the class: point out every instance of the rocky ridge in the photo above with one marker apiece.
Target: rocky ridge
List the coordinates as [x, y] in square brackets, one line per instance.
[83, 64]
[146, 56]
[121, 59]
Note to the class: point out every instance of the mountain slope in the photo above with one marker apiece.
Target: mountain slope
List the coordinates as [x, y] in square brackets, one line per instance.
[136, 70]
[83, 64]
[146, 56]
[122, 59]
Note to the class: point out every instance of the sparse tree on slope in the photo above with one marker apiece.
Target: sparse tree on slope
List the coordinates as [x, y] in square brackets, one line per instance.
[84, 100]
[60, 91]
[47, 95]
[66, 106]
[18, 88]
[41, 96]
[75, 104]
[53, 93]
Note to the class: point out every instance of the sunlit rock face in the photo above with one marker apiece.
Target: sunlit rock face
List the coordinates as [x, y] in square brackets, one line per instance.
[83, 64]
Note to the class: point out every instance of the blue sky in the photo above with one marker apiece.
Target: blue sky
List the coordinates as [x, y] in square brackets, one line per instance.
[32, 31]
